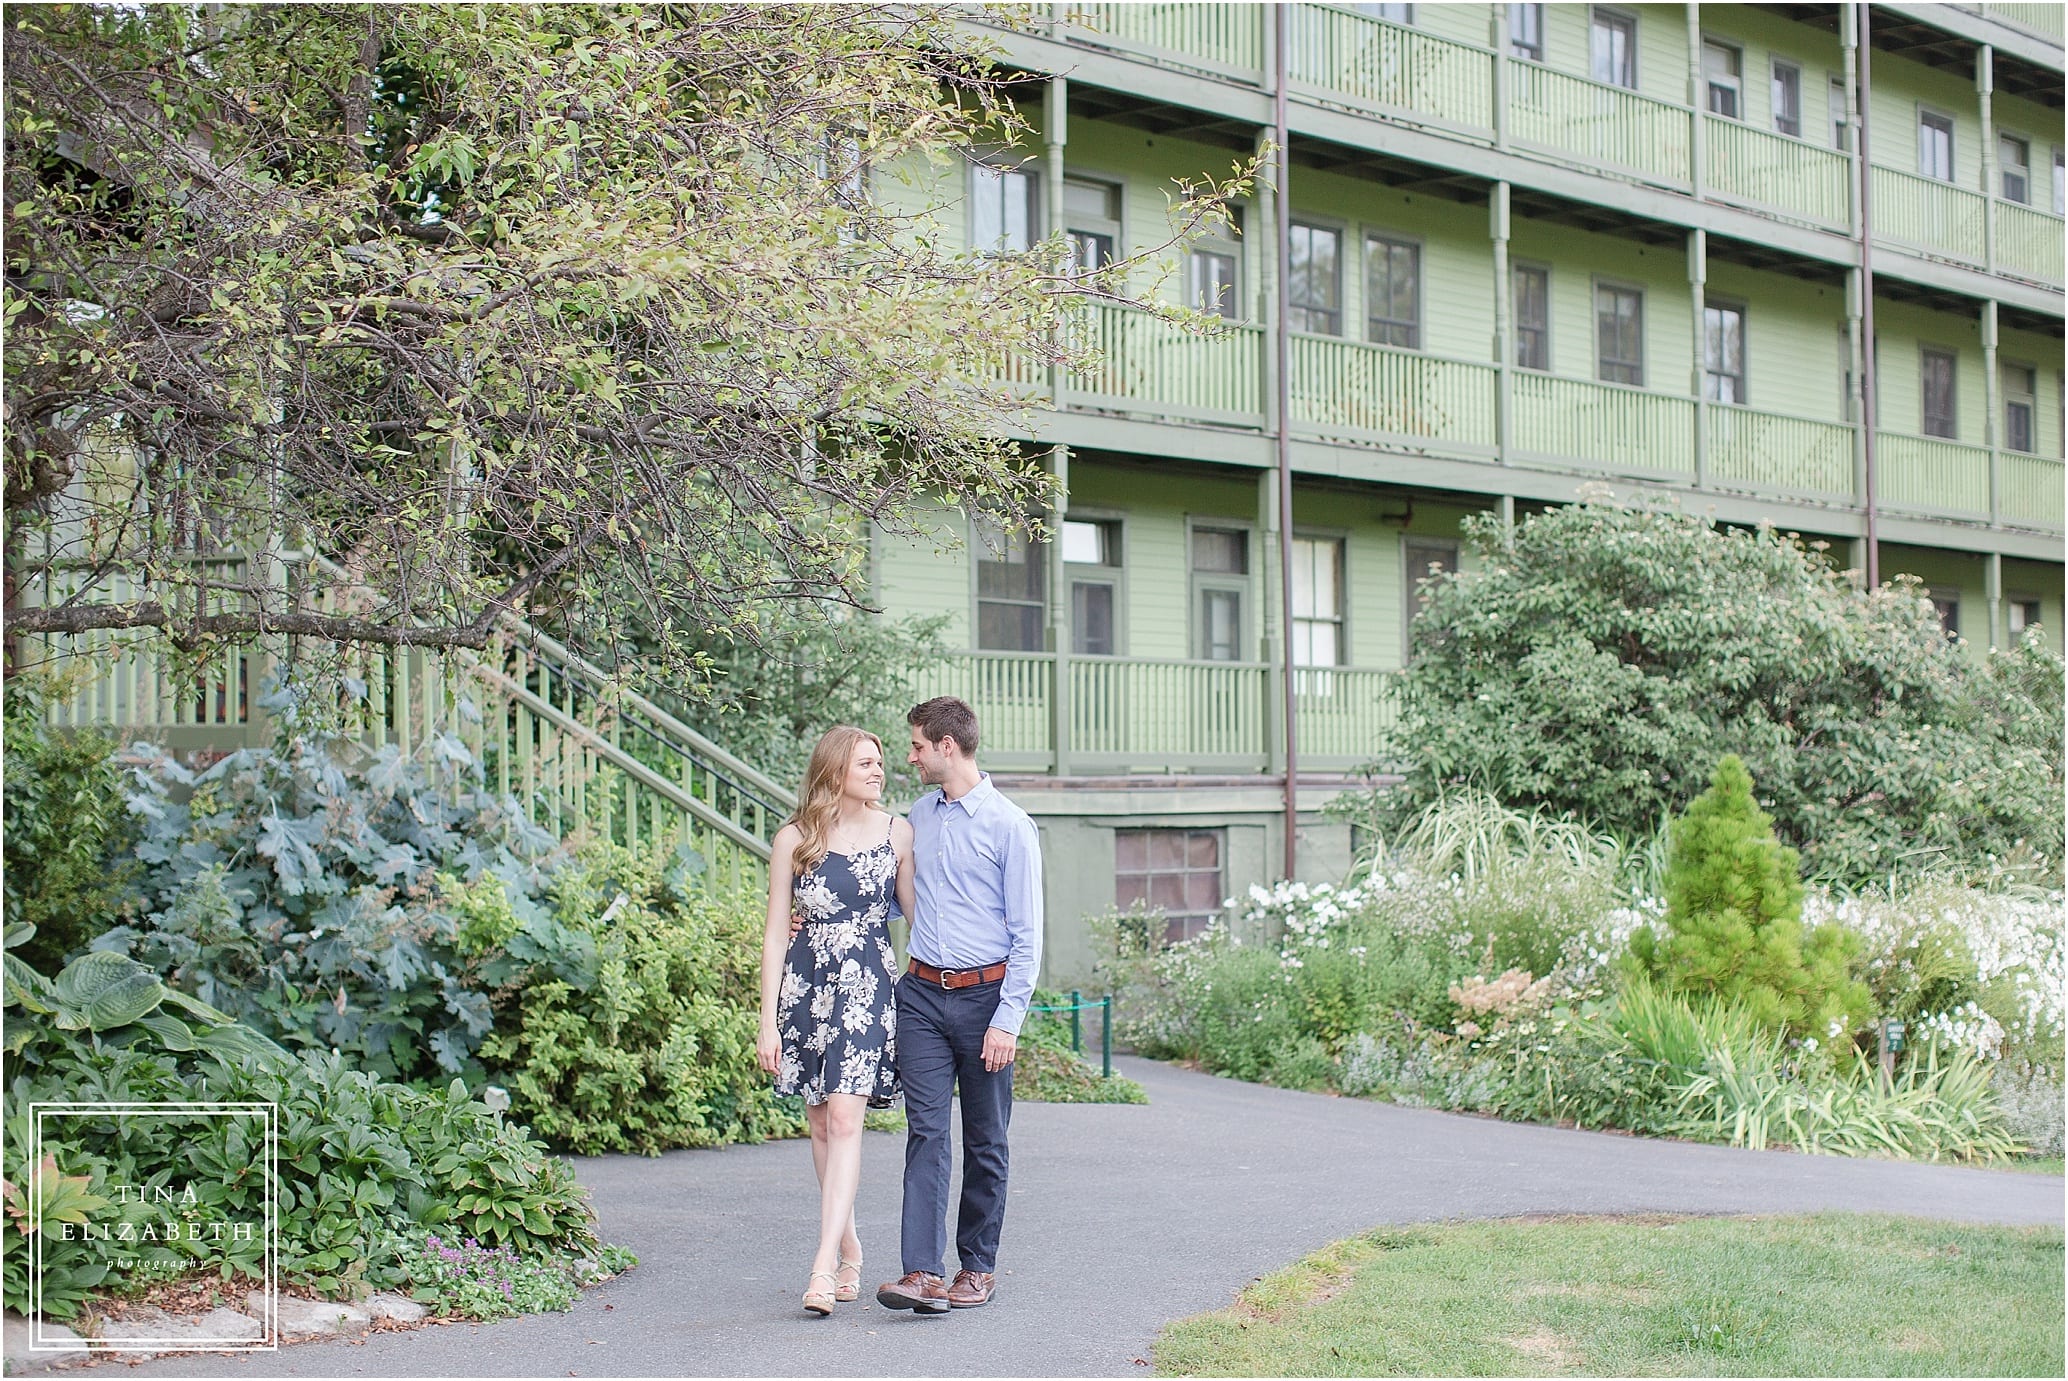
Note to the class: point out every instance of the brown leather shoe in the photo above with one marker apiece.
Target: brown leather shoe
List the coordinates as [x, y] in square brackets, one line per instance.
[919, 1291]
[971, 1288]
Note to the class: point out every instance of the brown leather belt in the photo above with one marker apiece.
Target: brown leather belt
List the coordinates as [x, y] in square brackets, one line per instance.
[957, 978]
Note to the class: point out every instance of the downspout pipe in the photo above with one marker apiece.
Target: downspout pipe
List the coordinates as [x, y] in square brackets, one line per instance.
[1869, 413]
[1281, 133]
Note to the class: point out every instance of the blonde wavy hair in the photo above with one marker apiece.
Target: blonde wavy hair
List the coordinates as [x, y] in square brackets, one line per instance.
[824, 779]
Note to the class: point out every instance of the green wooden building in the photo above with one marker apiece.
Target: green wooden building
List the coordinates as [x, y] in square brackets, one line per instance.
[1527, 248]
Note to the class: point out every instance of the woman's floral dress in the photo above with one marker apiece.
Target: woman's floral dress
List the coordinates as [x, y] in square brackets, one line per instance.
[836, 1015]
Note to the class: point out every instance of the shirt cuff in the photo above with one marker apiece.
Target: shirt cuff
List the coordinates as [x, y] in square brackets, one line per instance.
[1008, 1019]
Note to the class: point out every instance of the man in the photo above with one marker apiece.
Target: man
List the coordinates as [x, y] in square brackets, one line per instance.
[975, 948]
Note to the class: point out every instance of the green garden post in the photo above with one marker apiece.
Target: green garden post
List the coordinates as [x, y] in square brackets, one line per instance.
[1106, 1035]
[1076, 1022]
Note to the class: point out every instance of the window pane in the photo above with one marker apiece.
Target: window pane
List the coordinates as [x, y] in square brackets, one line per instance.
[1533, 318]
[1220, 551]
[1612, 50]
[1213, 283]
[1091, 542]
[2014, 157]
[1935, 146]
[1083, 197]
[1526, 31]
[1720, 72]
[1787, 99]
[1128, 890]
[1203, 890]
[1938, 393]
[1393, 292]
[2017, 426]
[986, 224]
[1312, 296]
[1008, 627]
[1220, 617]
[1203, 850]
[1841, 131]
[1131, 850]
[1091, 618]
[1619, 332]
[1089, 250]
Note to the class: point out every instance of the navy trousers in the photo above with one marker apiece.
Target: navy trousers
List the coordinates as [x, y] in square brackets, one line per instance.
[940, 1045]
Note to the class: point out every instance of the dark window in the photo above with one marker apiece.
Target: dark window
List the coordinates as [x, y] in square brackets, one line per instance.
[1619, 334]
[1091, 618]
[1526, 32]
[1787, 98]
[1177, 872]
[1011, 588]
[2014, 163]
[1612, 49]
[1723, 352]
[1220, 561]
[2020, 385]
[1935, 145]
[1947, 604]
[1426, 556]
[1088, 545]
[1532, 317]
[2024, 614]
[1314, 289]
[1393, 292]
[1001, 212]
[1937, 371]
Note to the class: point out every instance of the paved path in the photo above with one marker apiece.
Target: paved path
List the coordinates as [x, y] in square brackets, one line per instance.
[1121, 1219]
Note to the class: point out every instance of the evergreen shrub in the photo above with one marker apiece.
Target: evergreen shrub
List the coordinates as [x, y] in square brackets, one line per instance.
[1733, 924]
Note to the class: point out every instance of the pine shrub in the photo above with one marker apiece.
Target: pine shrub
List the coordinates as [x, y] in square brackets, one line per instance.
[1733, 923]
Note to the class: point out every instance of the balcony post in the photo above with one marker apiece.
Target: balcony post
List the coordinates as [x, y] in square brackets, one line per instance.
[1264, 256]
[1992, 590]
[1698, 142]
[1059, 629]
[1698, 291]
[1504, 327]
[1497, 38]
[1267, 622]
[1985, 95]
[1992, 415]
[1056, 132]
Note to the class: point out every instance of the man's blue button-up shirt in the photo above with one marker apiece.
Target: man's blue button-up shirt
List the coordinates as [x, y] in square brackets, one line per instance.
[977, 872]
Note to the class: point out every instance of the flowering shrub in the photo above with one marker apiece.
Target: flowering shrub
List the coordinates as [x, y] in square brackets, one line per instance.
[462, 1276]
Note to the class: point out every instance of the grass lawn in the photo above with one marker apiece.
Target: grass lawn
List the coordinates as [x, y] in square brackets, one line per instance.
[1822, 1295]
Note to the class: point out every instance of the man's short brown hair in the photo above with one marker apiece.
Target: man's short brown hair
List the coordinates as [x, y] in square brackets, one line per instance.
[946, 717]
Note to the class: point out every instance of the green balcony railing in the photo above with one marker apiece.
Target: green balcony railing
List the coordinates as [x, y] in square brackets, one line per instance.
[1925, 213]
[1608, 426]
[1011, 693]
[2028, 242]
[1768, 451]
[1128, 713]
[2031, 493]
[1927, 474]
[1147, 365]
[1341, 713]
[1591, 122]
[2043, 19]
[1348, 389]
[1779, 173]
[1228, 39]
[1359, 60]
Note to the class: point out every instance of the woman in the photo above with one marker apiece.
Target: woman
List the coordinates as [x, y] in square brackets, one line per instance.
[828, 1021]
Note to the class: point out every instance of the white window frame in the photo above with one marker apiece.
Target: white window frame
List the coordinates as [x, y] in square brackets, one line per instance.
[1594, 314]
[1776, 65]
[1614, 15]
[1925, 112]
[1197, 582]
[1516, 266]
[1712, 301]
[1393, 240]
[1734, 83]
[1115, 575]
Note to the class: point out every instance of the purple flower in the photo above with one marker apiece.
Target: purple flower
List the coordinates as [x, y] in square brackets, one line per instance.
[432, 1241]
[471, 1243]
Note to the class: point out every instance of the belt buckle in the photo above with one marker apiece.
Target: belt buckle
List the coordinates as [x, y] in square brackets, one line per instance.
[946, 974]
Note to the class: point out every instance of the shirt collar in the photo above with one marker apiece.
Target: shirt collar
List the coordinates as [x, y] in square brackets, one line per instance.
[973, 798]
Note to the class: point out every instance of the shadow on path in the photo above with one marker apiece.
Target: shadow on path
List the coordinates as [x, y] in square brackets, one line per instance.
[1122, 1218]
